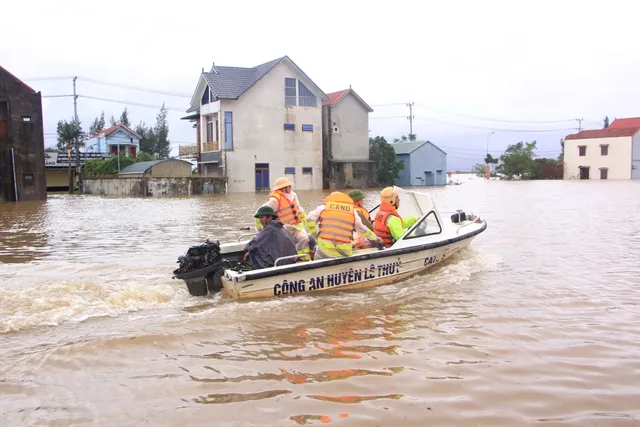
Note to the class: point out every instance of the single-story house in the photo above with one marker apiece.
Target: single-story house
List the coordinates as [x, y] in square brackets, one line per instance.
[424, 163]
[170, 168]
[115, 140]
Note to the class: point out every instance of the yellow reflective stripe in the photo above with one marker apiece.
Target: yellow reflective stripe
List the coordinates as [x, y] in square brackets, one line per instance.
[331, 249]
[342, 221]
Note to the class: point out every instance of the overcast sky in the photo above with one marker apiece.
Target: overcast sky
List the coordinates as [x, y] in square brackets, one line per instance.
[461, 62]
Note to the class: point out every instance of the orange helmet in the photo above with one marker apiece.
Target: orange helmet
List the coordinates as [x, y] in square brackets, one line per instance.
[390, 195]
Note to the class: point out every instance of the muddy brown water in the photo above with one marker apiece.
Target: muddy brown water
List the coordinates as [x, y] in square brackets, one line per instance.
[537, 323]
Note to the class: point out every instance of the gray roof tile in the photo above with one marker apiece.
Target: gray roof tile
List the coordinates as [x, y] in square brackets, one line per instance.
[231, 82]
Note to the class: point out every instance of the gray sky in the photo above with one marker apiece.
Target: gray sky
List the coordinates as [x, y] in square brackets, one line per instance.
[511, 61]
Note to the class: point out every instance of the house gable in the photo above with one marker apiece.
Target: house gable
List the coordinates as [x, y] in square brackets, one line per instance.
[335, 97]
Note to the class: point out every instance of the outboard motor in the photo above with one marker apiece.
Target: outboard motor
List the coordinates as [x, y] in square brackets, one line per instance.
[201, 268]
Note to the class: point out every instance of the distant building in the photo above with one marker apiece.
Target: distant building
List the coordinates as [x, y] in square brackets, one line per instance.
[170, 168]
[118, 139]
[424, 163]
[609, 153]
[256, 124]
[22, 175]
[345, 127]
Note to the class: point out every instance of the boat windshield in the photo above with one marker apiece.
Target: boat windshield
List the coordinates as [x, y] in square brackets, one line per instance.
[412, 203]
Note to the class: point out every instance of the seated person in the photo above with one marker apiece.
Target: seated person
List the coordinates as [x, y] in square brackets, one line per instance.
[303, 241]
[360, 242]
[388, 223]
[271, 243]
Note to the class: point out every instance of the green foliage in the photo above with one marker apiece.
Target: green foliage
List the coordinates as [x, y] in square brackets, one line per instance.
[107, 166]
[606, 122]
[517, 161]
[147, 138]
[489, 159]
[51, 149]
[97, 125]
[561, 155]
[478, 169]
[70, 134]
[124, 118]
[161, 132]
[405, 138]
[388, 166]
[145, 157]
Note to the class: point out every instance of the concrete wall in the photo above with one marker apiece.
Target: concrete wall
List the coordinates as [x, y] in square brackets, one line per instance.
[152, 187]
[635, 157]
[425, 162]
[259, 136]
[25, 137]
[351, 142]
[404, 180]
[618, 159]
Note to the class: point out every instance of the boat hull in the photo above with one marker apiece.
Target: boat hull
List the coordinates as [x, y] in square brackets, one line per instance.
[364, 273]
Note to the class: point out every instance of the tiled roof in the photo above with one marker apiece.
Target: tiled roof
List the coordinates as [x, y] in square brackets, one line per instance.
[336, 97]
[604, 133]
[631, 122]
[140, 167]
[115, 128]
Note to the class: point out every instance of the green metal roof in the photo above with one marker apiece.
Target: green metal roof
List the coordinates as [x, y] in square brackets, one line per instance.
[140, 167]
[407, 147]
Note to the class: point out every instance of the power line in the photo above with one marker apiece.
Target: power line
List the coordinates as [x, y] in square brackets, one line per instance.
[35, 79]
[142, 89]
[492, 119]
[494, 129]
[119, 101]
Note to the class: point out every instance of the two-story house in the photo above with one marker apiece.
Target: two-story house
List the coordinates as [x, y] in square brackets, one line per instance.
[116, 140]
[345, 125]
[609, 153]
[256, 124]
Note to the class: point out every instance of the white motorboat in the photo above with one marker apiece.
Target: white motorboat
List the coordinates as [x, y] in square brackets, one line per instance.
[431, 240]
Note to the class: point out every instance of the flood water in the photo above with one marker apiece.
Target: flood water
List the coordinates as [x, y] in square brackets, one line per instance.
[536, 323]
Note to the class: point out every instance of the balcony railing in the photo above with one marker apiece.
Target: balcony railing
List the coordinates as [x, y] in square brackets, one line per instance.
[211, 146]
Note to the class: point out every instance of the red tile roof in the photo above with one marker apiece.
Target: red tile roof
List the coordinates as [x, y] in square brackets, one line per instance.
[631, 122]
[604, 133]
[112, 129]
[335, 97]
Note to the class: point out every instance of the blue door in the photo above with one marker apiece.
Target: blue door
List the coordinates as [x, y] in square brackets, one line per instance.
[262, 176]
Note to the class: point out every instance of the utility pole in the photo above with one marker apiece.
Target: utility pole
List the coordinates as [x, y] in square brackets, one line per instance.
[410, 105]
[579, 124]
[75, 116]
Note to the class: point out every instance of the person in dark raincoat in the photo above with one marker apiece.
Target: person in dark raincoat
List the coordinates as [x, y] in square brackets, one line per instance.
[271, 243]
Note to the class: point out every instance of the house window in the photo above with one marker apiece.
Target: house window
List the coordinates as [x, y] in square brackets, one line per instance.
[289, 126]
[582, 150]
[307, 128]
[289, 171]
[584, 172]
[306, 98]
[307, 171]
[604, 173]
[604, 150]
[26, 119]
[290, 92]
[228, 130]
[210, 132]
[4, 118]
[207, 96]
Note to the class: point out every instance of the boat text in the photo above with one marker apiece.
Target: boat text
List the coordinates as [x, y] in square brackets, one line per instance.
[336, 279]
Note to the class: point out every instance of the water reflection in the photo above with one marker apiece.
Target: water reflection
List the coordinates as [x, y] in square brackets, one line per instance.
[23, 232]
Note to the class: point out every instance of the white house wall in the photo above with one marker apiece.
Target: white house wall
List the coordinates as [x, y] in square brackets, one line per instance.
[259, 136]
[618, 160]
[351, 142]
[635, 167]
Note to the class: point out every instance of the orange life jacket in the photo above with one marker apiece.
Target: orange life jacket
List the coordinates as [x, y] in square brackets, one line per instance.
[364, 212]
[287, 211]
[380, 226]
[337, 220]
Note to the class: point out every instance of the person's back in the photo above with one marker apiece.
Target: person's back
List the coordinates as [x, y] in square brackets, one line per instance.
[271, 243]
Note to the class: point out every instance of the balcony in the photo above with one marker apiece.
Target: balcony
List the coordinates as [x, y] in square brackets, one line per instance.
[210, 146]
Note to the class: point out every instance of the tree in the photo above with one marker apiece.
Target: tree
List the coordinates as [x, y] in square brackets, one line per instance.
[478, 169]
[161, 132]
[517, 160]
[124, 118]
[147, 138]
[97, 125]
[383, 153]
[112, 121]
[606, 122]
[70, 135]
[145, 157]
[489, 159]
[561, 156]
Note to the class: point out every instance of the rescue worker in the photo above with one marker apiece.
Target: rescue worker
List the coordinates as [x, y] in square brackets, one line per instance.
[358, 197]
[271, 243]
[286, 205]
[388, 224]
[335, 221]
